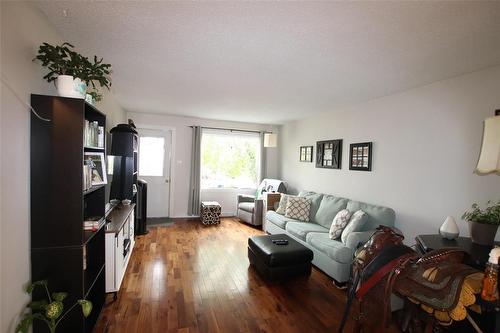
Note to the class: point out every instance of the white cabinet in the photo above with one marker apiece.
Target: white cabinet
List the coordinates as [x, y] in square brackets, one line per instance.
[119, 245]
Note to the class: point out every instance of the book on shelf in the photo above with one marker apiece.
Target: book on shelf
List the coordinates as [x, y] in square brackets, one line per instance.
[93, 223]
[93, 134]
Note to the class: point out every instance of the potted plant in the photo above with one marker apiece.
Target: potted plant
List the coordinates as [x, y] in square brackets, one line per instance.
[96, 72]
[63, 64]
[72, 72]
[50, 310]
[483, 224]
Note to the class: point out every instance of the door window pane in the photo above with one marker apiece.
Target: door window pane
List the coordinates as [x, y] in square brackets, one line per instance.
[151, 156]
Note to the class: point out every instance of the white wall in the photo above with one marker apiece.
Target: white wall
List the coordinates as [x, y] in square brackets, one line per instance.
[182, 140]
[426, 143]
[23, 29]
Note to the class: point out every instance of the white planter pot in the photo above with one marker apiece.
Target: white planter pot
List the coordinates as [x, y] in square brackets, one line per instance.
[67, 86]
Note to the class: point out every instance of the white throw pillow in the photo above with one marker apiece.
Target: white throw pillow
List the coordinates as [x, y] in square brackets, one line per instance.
[358, 220]
[282, 205]
[298, 208]
[340, 221]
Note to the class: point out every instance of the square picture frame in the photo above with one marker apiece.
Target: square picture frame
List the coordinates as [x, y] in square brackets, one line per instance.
[98, 164]
[360, 156]
[306, 153]
[329, 154]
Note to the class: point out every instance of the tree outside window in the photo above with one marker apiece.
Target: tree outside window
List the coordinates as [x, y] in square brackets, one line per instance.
[229, 159]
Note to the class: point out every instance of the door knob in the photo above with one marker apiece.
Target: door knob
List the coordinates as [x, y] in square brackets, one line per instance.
[167, 180]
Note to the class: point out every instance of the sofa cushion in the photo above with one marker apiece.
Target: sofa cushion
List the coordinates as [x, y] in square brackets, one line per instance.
[298, 208]
[278, 219]
[282, 205]
[377, 215]
[334, 249]
[328, 209]
[356, 223]
[301, 229]
[246, 206]
[315, 201]
[339, 223]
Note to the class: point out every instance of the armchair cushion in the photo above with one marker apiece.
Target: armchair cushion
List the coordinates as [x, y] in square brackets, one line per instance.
[245, 198]
[247, 206]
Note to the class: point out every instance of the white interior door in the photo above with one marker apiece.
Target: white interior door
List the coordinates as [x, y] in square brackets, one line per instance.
[154, 168]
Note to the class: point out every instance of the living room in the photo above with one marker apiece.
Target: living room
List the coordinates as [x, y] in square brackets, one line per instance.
[283, 85]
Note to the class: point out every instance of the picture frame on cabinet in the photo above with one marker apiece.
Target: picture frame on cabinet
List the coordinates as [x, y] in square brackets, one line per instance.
[360, 156]
[98, 164]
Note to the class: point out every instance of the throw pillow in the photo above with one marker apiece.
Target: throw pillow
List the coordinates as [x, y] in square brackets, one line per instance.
[357, 222]
[282, 205]
[298, 208]
[340, 221]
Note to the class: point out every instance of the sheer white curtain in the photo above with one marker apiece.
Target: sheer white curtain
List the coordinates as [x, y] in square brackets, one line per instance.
[194, 183]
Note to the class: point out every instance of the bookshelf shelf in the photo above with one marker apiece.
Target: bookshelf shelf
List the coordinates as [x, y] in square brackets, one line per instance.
[70, 258]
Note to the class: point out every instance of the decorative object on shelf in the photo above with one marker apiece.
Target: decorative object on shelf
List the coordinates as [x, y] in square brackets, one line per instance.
[270, 140]
[483, 224]
[49, 310]
[360, 156]
[93, 135]
[96, 161]
[306, 153]
[329, 154]
[87, 175]
[489, 158]
[449, 228]
[72, 72]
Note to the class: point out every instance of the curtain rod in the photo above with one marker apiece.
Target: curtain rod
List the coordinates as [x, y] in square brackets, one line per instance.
[230, 129]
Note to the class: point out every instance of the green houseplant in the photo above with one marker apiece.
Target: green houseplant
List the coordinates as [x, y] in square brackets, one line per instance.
[483, 223]
[49, 310]
[72, 72]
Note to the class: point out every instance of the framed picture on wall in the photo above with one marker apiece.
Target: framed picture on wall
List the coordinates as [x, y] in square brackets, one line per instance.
[329, 154]
[360, 156]
[306, 153]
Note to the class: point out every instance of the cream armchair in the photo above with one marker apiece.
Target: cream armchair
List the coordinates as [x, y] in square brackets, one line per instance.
[250, 209]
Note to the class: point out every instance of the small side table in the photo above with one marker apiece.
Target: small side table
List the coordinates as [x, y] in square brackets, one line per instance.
[271, 199]
[210, 212]
[479, 254]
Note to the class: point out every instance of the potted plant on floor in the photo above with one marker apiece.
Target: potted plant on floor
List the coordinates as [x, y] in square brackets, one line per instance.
[49, 310]
[483, 224]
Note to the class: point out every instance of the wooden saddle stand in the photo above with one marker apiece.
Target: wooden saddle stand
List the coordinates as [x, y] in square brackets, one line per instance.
[433, 286]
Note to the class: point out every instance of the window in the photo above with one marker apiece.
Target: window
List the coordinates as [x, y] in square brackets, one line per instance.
[229, 159]
[151, 156]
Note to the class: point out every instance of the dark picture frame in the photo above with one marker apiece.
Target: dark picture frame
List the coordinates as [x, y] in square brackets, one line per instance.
[306, 153]
[360, 156]
[329, 154]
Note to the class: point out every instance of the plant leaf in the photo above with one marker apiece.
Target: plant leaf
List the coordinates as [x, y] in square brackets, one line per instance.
[31, 287]
[59, 296]
[24, 324]
[86, 307]
[37, 306]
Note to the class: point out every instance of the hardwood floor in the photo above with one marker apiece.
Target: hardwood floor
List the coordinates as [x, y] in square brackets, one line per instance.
[187, 277]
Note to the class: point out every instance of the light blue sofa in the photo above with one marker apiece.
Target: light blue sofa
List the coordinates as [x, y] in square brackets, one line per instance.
[331, 256]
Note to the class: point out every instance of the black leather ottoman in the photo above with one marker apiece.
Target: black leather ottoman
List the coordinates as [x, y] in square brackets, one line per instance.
[279, 262]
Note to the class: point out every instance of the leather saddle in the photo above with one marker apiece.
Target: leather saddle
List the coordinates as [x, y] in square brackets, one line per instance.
[434, 280]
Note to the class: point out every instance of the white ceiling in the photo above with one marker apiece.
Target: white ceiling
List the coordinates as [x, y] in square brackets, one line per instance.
[270, 62]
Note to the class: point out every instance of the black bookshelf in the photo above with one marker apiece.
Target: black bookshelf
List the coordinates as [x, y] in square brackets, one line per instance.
[62, 252]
